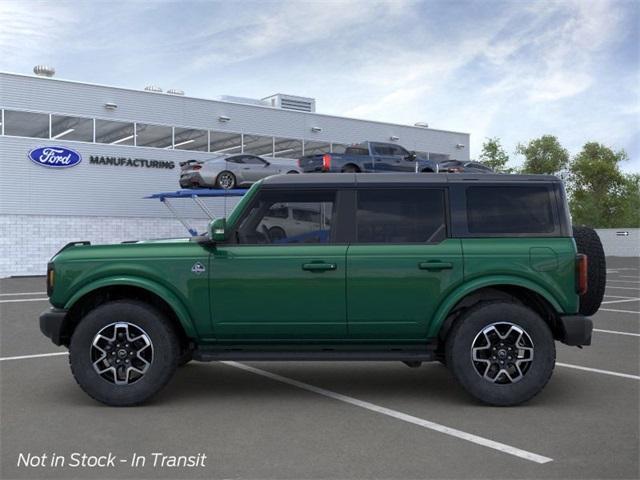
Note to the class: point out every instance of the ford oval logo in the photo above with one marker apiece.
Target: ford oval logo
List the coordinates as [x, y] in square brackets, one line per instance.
[55, 157]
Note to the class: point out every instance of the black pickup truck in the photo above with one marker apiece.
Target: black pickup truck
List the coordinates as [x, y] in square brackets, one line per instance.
[373, 157]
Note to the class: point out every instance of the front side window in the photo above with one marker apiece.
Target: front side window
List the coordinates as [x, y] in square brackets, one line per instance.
[251, 160]
[400, 216]
[268, 221]
[509, 210]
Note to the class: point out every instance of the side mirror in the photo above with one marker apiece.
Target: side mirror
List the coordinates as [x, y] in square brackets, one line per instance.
[217, 229]
[412, 156]
[266, 163]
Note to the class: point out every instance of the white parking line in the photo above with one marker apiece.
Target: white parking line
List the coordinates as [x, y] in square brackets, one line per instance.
[485, 442]
[597, 370]
[623, 281]
[616, 332]
[615, 287]
[617, 311]
[628, 276]
[21, 293]
[621, 301]
[39, 355]
[17, 300]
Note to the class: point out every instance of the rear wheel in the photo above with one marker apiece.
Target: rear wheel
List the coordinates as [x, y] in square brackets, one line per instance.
[123, 352]
[226, 180]
[588, 242]
[277, 233]
[502, 353]
[350, 169]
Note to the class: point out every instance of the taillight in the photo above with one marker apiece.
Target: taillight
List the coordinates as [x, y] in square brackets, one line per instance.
[196, 167]
[326, 162]
[299, 163]
[582, 267]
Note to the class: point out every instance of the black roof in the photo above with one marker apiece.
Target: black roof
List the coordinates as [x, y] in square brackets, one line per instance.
[380, 179]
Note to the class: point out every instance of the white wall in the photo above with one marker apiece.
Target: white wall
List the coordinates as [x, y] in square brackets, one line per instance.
[27, 242]
[616, 245]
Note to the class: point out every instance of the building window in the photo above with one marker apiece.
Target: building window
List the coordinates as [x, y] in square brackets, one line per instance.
[71, 128]
[114, 133]
[287, 148]
[26, 124]
[315, 148]
[225, 142]
[190, 139]
[258, 145]
[157, 136]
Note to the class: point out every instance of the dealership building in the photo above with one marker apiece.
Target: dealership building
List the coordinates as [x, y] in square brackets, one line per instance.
[129, 144]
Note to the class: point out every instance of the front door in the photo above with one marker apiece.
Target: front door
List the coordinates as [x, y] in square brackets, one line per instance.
[401, 264]
[282, 279]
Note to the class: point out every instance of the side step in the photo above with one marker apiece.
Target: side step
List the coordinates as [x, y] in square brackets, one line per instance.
[317, 355]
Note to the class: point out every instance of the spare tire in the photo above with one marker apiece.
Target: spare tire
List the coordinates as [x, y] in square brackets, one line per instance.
[588, 243]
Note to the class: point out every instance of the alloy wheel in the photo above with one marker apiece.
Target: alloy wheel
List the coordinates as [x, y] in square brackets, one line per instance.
[502, 353]
[121, 353]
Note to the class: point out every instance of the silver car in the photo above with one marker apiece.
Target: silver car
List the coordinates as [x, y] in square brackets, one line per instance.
[231, 171]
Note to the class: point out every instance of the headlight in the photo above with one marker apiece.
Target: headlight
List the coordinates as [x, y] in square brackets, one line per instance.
[51, 278]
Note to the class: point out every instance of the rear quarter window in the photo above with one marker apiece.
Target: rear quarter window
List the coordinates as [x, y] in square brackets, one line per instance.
[507, 210]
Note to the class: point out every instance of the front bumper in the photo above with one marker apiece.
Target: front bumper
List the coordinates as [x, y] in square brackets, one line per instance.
[53, 324]
[575, 330]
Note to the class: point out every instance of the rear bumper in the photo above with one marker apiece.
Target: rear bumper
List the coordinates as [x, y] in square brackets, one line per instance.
[53, 324]
[575, 330]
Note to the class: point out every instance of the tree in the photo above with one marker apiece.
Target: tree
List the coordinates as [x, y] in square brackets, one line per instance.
[543, 155]
[494, 156]
[601, 195]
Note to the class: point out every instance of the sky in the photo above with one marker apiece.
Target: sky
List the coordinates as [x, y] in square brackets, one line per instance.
[509, 69]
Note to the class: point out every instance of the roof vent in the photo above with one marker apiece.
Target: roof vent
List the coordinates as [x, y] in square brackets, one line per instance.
[175, 91]
[44, 71]
[153, 88]
[421, 124]
[292, 102]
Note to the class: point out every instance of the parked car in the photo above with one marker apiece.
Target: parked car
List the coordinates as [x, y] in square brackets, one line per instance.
[463, 166]
[480, 272]
[231, 171]
[290, 224]
[372, 157]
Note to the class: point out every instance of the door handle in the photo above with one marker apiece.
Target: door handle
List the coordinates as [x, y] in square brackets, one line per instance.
[434, 266]
[319, 267]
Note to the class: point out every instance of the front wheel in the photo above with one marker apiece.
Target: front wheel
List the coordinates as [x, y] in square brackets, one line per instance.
[123, 352]
[502, 353]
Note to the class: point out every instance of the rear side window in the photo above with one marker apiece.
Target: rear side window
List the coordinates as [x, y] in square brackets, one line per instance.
[507, 210]
[401, 216]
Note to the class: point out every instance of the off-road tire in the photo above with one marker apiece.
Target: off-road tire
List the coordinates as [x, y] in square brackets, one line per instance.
[458, 352]
[588, 243]
[166, 352]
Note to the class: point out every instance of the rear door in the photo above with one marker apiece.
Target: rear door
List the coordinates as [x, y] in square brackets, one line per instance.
[401, 264]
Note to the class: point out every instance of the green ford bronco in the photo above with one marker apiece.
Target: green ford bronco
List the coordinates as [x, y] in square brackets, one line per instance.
[479, 272]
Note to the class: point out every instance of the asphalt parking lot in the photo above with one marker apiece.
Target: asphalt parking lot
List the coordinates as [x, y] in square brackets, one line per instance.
[328, 420]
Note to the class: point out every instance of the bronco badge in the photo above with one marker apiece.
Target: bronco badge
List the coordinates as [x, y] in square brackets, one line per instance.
[198, 268]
